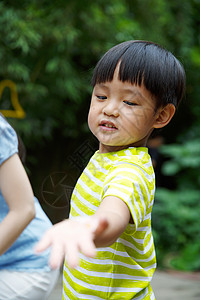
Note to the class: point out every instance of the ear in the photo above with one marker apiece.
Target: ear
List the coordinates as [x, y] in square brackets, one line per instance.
[164, 115]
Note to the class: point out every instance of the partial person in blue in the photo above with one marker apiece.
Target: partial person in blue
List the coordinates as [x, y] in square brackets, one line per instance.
[23, 275]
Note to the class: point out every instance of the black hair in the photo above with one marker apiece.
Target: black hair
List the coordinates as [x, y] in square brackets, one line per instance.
[147, 63]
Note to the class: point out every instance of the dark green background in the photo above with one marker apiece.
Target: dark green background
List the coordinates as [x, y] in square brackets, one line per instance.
[49, 49]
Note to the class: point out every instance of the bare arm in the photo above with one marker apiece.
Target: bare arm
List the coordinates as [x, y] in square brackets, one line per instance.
[70, 237]
[16, 190]
[117, 214]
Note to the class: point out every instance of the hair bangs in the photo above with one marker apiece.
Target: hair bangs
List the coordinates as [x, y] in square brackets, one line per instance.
[132, 68]
[154, 67]
[144, 63]
[105, 68]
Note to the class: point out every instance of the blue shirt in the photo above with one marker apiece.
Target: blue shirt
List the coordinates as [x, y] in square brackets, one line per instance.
[20, 256]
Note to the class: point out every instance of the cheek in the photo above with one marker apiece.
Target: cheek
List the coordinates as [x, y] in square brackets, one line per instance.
[134, 123]
[91, 117]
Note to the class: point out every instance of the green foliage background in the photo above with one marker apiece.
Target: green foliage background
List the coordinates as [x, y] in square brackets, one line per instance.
[49, 48]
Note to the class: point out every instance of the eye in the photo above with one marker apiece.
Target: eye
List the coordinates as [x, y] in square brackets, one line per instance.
[101, 97]
[130, 103]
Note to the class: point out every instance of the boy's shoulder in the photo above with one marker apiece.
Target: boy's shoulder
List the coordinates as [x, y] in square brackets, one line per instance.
[136, 160]
[135, 166]
[136, 156]
[130, 158]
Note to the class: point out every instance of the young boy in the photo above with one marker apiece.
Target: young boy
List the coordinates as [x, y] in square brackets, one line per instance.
[107, 240]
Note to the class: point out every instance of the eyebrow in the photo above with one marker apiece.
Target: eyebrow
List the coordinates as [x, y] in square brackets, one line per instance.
[126, 90]
[104, 86]
[133, 92]
[101, 85]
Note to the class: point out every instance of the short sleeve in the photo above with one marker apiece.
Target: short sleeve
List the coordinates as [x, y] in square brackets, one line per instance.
[128, 182]
[8, 140]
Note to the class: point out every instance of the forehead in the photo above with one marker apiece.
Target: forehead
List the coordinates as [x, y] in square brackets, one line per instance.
[116, 85]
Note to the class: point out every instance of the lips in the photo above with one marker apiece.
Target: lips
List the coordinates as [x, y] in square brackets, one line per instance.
[107, 125]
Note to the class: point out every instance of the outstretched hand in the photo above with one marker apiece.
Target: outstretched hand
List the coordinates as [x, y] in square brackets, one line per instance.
[70, 237]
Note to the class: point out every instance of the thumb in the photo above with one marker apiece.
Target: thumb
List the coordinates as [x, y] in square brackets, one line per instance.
[43, 244]
[102, 225]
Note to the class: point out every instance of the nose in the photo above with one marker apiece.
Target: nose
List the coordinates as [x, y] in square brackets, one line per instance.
[111, 108]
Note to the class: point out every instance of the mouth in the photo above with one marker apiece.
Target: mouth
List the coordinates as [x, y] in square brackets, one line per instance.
[107, 125]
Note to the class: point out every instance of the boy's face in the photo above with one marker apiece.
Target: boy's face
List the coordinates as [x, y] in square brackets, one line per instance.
[121, 115]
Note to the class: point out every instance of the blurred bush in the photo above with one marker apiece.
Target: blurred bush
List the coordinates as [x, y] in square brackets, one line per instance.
[176, 212]
[49, 48]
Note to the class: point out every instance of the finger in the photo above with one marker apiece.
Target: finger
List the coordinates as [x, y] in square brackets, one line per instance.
[87, 247]
[56, 257]
[102, 226]
[72, 255]
[43, 244]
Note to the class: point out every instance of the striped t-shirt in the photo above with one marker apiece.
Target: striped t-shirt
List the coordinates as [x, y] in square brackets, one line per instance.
[124, 269]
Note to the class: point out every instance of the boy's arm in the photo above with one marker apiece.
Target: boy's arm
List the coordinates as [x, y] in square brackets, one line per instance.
[17, 192]
[117, 214]
[70, 237]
